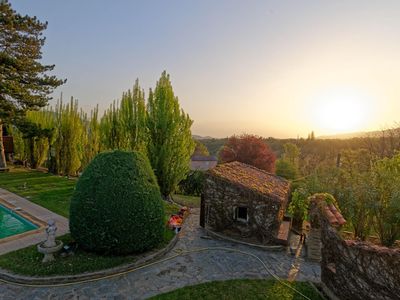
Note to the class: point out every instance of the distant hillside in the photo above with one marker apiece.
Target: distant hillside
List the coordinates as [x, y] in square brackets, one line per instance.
[213, 145]
[199, 137]
[343, 136]
[361, 134]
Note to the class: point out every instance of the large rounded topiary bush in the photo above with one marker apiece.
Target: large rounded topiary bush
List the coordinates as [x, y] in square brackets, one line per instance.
[116, 207]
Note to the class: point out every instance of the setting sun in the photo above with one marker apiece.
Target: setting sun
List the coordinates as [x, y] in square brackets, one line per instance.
[341, 111]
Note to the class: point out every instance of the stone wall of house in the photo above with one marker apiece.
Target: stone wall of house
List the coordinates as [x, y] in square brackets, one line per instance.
[357, 270]
[264, 213]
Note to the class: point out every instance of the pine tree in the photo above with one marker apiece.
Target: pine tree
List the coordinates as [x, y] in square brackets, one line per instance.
[24, 83]
[170, 142]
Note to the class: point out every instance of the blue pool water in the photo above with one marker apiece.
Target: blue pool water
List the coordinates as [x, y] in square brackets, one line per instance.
[11, 223]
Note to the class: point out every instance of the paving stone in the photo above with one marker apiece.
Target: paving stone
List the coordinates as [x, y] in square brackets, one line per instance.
[190, 269]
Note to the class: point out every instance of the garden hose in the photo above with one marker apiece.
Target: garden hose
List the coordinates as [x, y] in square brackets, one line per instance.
[179, 252]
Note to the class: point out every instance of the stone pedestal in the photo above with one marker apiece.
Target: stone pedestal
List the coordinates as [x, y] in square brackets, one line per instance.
[49, 251]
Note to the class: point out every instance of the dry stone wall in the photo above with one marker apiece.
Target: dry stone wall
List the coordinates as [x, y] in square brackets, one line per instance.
[357, 270]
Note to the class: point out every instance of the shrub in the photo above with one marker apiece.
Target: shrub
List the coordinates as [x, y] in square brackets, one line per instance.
[193, 184]
[386, 204]
[117, 207]
[285, 169]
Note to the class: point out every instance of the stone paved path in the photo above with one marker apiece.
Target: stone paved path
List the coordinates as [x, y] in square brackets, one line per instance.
[178, 272]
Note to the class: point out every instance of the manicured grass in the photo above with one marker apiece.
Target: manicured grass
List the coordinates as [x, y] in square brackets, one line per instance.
[28, 261]
[49, 191]
[190, 201]
[54, 193]
[242, 289]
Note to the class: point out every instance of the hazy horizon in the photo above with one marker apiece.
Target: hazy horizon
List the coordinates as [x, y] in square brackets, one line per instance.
[272, 68]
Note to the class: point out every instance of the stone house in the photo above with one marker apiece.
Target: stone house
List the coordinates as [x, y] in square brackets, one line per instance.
[202, 163]
[244, 202]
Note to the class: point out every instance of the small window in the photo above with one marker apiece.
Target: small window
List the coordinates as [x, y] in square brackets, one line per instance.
[241, 213]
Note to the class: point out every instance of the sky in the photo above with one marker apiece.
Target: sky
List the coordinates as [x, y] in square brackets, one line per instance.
[270, 68]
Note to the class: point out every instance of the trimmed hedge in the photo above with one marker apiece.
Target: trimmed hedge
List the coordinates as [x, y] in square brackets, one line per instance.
[116, 207]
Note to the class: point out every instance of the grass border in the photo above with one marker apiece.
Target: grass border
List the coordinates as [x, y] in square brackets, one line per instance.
[151, 256]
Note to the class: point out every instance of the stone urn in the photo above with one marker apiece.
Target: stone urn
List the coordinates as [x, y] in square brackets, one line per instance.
[50, 246]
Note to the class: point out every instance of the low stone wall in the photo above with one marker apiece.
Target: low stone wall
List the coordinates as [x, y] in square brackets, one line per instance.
[357, 270]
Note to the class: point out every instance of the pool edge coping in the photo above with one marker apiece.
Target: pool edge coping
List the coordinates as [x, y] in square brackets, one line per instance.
[22, 213]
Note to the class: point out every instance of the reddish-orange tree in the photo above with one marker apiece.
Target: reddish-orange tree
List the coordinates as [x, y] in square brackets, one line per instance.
[249, 149]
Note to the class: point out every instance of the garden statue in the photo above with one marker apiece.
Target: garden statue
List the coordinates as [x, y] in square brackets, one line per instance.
[50, 245]
[51, 234]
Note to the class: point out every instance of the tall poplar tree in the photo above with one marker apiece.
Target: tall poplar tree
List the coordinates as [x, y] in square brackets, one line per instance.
[24, 83]
[132, 116]
[170, 142]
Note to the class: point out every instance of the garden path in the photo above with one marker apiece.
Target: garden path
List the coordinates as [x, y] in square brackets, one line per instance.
[178, 272]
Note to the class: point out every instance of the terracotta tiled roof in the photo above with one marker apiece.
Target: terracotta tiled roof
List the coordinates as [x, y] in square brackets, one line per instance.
[252, 178]
[333, 215]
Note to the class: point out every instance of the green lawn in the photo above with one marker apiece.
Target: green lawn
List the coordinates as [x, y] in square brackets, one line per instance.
[49, 191]
[190, 201]
[28, 261]
[54, 193]
[242, 289]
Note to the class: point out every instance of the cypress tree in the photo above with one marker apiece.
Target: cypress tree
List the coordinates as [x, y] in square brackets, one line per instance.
[170, 142]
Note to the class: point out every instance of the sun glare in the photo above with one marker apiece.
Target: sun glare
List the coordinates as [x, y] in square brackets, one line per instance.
[341, 112]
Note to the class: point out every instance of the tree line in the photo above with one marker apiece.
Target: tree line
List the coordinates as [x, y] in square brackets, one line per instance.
[65, 139]
[363, 175]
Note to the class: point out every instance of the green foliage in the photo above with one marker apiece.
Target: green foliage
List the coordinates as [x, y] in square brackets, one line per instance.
[193, 183]
[123, 125]
[291, 154]
[170, 143]
[91, 136]
[353, 190]
[200, 149]
[69, 138]
[386, 204]
[25, 84]
[299, 204]
[285, 169]
[116, 207]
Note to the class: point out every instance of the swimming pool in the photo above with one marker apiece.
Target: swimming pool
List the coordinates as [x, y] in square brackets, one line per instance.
[11, 223]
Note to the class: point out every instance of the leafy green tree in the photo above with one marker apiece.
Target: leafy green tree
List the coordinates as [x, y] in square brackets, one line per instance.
[110, 129]
[132, 116]
[193, 183]
[353, 190]
[123, 125]
[292, 154]
[24, 83]
[285, 169]
[386, 204]
[200, 149]
[170, 142]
